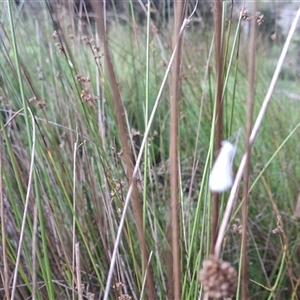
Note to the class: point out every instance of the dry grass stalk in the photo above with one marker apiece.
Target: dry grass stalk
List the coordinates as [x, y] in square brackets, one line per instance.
[124, 136]
[249, 109]
[219, 108]
[78, 272]
[174, 279]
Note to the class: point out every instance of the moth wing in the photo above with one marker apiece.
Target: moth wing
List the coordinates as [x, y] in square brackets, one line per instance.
[221, 178]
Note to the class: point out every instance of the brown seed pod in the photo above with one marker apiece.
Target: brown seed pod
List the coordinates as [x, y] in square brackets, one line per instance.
[218, 278]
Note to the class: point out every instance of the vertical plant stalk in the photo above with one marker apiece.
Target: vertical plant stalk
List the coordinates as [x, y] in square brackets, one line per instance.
[119, 112]
[146, 115]
[26, 205]
[5, 277]
[34, 250]
[174, 279]
[74, 244]
[249, 120]
[78, 273]
[19, 73]
[219, 110]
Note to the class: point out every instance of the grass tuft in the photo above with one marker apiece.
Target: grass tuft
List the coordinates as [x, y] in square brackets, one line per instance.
[104, 124]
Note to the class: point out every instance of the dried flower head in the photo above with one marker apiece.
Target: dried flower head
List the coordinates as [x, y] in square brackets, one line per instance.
[87, 97]
[118, 286]
[32, 99]
[90, 296]
[218, 278]
[86, 40]
[40, 104]
[260, 18]
[55, 35]
[81, 78]
[245, 15]
[124, 297]
[96, 49]
[279, 228]
[61, 49]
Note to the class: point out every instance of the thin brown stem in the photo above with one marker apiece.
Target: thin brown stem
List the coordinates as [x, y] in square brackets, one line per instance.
[174, 281]
[119, 112]
[219, 110]
[249, 107]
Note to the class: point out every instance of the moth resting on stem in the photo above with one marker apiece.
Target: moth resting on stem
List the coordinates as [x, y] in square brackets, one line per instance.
[221, 176]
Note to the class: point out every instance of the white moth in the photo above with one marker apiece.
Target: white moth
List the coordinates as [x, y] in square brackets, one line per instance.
[221, 177]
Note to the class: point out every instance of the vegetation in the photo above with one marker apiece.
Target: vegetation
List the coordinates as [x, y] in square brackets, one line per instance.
[75, 195]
